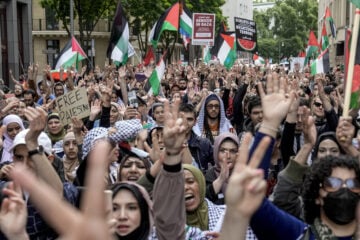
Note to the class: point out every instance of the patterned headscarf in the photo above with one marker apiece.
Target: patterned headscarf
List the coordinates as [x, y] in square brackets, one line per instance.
[123, 130]
[202, 114]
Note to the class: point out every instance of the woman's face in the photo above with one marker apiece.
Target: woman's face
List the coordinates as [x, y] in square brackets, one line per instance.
[328, 147]
[114, 97]
[159, 115]
[13, 129]
[132, 169]
[228, 153]
[17, 90]
[126, 211]
[176, 96]
[54, 126]
[205, 85]
[114, 114]
[192, 192]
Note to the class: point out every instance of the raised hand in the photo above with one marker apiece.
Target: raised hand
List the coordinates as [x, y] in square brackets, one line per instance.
[275, 103]
[345, 132]
[13, 213]
[95, 109]
[91, 222]
[309, 129]
[174, 129]
[245, 191]
[37, 118]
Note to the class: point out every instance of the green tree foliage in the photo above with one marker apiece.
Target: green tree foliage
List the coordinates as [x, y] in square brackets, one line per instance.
[285, 28]
[87, 13]
[144, 13]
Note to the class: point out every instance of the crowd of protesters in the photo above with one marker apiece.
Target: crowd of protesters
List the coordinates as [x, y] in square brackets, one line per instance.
[247, 153]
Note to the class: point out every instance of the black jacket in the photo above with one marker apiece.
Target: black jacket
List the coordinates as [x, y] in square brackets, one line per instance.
[201, 150]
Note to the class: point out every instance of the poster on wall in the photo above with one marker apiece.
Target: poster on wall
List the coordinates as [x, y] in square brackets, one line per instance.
[245, 31]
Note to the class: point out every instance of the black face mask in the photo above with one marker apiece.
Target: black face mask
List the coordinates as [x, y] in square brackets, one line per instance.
[340, 206]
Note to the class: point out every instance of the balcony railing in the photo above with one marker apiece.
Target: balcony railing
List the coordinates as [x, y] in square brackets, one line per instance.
[103, 25]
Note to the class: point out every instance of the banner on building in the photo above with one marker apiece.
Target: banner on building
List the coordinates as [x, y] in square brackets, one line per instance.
[245, 31]
[73, 104]
[203, 29]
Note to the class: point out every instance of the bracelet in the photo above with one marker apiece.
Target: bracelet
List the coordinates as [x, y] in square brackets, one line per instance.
[270, 128]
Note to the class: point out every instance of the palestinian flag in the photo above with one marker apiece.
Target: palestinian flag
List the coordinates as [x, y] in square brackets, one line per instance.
[185, 28]
[224, 47]
[168, 21]
[119, 39]
[149, 56]
[70, 55]
[355, 86]
[225, 51]
[324, 42]
[258, 60]
[329, 18]
[156, 76]
[312, 49]
[321, 64]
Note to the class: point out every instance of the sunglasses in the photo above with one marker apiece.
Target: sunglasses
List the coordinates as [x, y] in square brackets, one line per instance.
[317, 104]
[333, 184]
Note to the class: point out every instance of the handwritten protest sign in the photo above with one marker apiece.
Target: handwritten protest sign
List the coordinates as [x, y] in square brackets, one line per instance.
[73, 104]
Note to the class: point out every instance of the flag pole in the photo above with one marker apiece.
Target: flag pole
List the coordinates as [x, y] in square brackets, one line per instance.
[350, 72]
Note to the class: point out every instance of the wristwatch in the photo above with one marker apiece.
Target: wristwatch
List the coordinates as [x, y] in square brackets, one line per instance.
[38, 150]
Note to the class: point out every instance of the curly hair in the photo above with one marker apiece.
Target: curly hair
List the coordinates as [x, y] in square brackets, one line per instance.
[321, 169]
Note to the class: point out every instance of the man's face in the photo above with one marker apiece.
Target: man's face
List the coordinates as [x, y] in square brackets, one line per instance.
[213, 109]
[59, 91]
[306, 82]
[256, 115]
[189, 120]
[21, 156]
[182, 84]
[29, 100]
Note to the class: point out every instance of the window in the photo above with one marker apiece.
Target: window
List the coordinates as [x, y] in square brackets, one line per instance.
[52, 51]
[50, 20]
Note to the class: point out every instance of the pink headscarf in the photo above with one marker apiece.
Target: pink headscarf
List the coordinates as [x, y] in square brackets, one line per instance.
[7, 156]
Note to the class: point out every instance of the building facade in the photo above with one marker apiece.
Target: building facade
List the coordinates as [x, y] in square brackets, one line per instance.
[342, 12]
[237, 8]
[15, 38]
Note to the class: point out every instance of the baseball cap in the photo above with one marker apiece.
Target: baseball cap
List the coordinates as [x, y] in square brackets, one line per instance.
[43, 140]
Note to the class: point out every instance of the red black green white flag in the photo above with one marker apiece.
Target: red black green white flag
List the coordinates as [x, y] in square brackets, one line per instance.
[324, 42]
[70, 55]
[157, 75]
[118, 49]
[225, 47]
[313, 48]
[355, 86]
[329, 18]
[168, 21]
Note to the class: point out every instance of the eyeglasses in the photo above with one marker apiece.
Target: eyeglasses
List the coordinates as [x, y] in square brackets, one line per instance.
[333, 184]
[211, 106]
[317, 104]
